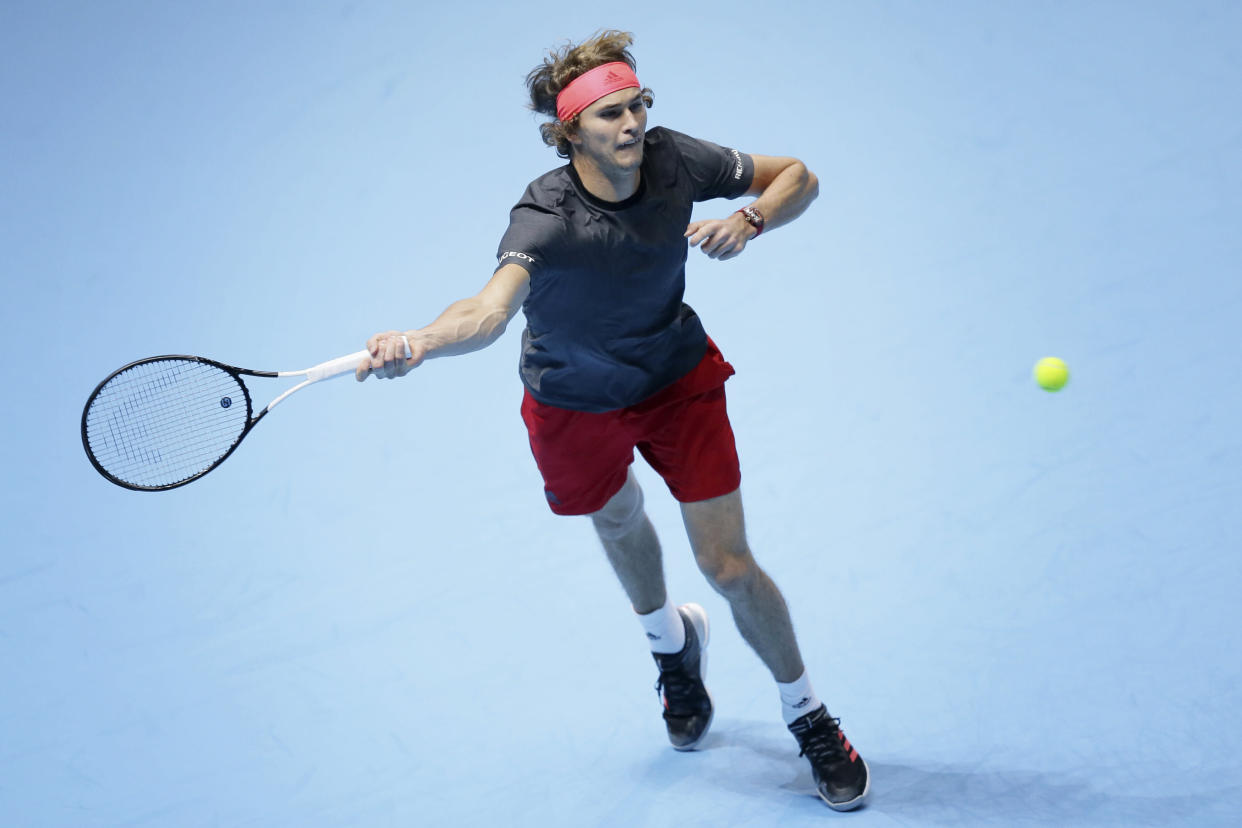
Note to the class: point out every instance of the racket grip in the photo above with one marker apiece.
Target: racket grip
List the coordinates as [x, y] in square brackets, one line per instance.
[346, 364]
[337, 367]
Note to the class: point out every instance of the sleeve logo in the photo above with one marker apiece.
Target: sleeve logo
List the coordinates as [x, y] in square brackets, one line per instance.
[513, 254]
[738, 167]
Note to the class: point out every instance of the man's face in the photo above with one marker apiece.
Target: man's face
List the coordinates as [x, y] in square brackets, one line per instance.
[610, 132]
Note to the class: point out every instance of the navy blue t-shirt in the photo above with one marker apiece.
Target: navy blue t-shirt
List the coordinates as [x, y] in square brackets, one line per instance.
[605, 323]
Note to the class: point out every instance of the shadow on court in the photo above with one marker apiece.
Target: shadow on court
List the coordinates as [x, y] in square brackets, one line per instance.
[756, 760]
[957, 795]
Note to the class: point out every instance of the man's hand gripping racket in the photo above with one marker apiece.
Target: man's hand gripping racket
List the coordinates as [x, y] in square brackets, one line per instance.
[164, 421]
[389, 356]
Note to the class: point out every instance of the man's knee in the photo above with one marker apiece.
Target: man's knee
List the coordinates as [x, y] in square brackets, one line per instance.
[729, 569]
[622, 514]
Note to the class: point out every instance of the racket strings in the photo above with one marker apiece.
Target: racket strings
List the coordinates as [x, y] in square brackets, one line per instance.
[162, 422]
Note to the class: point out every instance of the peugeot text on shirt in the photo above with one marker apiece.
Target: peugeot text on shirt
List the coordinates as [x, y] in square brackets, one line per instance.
[515, 255]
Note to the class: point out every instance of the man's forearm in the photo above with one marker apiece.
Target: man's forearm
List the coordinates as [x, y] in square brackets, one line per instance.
[464, 326]
[788, 196]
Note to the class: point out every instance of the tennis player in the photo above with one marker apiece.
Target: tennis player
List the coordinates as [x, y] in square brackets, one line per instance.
[613, 360]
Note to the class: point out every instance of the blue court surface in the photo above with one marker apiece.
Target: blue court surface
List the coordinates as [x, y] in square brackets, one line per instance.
[1024, 606]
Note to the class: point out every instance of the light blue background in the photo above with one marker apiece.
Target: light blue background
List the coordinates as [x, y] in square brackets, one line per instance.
[1024, 606]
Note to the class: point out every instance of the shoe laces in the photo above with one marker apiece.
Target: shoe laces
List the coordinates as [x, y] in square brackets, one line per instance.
[822, 743]
[677, 684]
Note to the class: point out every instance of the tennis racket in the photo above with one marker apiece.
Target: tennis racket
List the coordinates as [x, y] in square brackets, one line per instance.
[164, 421]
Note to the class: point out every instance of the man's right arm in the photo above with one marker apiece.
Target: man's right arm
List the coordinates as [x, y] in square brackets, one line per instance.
[464, 326]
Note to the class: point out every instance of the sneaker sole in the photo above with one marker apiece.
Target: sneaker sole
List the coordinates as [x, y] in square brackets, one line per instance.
[698, 619]
[856, 802]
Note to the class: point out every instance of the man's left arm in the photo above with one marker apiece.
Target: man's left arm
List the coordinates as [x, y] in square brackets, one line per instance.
[785, 188]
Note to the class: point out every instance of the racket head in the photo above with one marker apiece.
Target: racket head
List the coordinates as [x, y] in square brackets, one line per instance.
[164, 421]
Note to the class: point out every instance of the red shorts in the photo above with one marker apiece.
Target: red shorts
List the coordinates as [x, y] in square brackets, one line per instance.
[682, 431]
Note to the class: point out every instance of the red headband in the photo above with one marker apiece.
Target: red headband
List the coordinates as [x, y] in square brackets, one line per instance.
[589, 87]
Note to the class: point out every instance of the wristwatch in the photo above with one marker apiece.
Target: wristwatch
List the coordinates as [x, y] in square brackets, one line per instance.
[754, 218]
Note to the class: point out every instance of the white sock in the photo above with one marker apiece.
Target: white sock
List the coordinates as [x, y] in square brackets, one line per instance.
[797, 698]
[666, 633]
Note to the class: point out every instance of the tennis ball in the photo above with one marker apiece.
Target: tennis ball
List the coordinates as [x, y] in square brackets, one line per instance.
[1051, 374]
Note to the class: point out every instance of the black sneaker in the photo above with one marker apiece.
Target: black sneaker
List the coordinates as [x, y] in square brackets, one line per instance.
[687, 704]
[841, 775]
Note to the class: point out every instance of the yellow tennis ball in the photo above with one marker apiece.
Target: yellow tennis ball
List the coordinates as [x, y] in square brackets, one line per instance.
[1051, 374]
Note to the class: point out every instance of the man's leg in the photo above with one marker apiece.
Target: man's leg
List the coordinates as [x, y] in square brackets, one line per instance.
[717, 533]
[632, 547]
[678, 635]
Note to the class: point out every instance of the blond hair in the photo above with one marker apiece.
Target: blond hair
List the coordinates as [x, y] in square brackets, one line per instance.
[560, 67]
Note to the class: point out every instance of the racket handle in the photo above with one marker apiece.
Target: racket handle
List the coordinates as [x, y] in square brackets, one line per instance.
[346, 364]
[337, 367]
